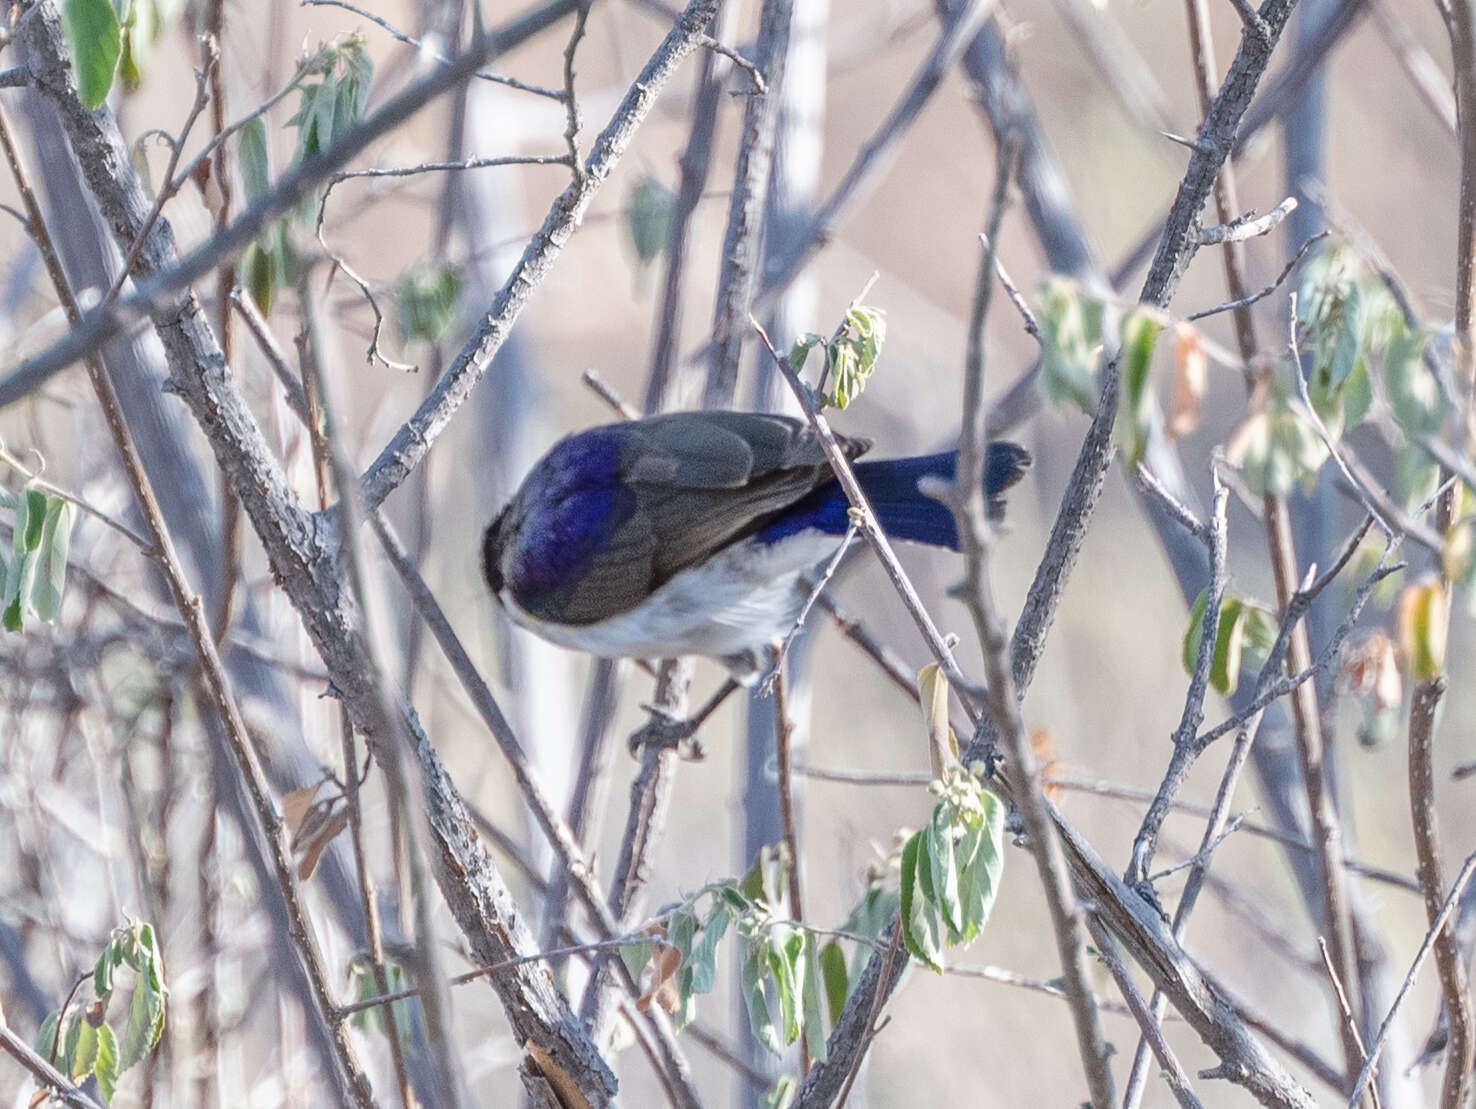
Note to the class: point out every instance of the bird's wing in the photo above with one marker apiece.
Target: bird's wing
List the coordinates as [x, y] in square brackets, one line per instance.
[698, 481]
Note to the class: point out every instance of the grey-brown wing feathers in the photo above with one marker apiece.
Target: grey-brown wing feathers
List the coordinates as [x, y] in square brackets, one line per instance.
[699, 481]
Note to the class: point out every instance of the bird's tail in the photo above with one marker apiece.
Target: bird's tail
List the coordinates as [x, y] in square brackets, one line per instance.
[905, 512]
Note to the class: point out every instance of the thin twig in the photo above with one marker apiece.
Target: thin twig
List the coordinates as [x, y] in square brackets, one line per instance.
[784, 738]
[870, 528]
[47, 1075]
[1247, 226]
[421, 47]
[755, 76]
[1032, 326]
[1437, 927]
[767, 684]
[1248, 300]
[1173, 1071]
[1347, 1010]
[1185, 749]
[33, 477]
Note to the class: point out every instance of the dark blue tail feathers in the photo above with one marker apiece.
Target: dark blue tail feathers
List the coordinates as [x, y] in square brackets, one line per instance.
[891, 485]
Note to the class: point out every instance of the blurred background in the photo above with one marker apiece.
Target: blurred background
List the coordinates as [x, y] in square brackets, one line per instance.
[112, 806]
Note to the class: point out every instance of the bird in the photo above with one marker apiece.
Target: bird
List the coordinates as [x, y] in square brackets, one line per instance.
[688, 533]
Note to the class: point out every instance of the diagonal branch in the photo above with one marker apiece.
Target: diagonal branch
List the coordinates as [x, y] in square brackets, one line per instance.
[410, 444]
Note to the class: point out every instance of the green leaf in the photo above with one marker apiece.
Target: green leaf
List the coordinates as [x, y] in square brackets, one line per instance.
[751, 973]
[95, 38]
[812, 987]
[145, 1024]
[1071, 343]
[788, 956]
[649, 218]
[430, 301]
[105, 1064]
[921, 929]
[46, 1035]
[102, 974]
[943, 871]
[986, 869]
[1140, 331]
[1410, 387]
[1230, 640]
[1357, 395]
[258, 277]
[85, 1057]
[1261, 629]
[854, 354]
[35, 519]
[1276, 447]
[801, 349]
[253, 152]
[1424, 623]
[56, 540]
[703, 960]
[782, 1094]
[635, 956]
[1194, 633]
[71, 1040]
[837, 981]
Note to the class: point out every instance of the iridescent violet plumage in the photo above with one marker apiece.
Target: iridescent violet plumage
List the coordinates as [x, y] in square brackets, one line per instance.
[687, 533]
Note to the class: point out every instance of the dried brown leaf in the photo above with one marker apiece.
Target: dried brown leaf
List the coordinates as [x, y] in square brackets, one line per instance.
[1190, 375]
[297, 804]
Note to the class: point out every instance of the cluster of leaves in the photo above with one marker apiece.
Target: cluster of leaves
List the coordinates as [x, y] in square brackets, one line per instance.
[792, 981]
[334, 86]
[1245, 634]
[951, 868]
[35, 574]
[1356, 351]
[82, 1043]
[780, 968]
[1071, 341]
[429, 295]
[851, 354]
[114, 38]
[1355, 345]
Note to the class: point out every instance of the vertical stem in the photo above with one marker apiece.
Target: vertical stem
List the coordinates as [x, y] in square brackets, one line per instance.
[225, 279]
[1306, 717]
[746, 211]
[1455, 1091]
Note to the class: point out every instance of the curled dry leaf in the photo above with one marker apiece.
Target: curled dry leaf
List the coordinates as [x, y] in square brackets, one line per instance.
[665, 962]
[1190, 374]
[1371, 670]
[1044, 746]
[565, 1086]
[318, 830]
[1423, 621]
[297, 804]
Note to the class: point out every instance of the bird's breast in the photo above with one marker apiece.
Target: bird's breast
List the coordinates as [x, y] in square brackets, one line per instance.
[738, 600]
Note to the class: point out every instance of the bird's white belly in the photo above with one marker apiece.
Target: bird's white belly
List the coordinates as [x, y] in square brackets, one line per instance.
[737, 601]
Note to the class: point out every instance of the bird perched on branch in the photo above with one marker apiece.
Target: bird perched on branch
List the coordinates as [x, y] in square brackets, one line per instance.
[687, 533]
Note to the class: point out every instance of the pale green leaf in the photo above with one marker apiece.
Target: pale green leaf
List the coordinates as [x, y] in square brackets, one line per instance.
[95, 38]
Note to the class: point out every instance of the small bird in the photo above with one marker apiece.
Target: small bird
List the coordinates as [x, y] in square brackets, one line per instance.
[687, 533]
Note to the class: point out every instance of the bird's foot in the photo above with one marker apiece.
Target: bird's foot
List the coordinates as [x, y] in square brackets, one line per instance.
[664, 731]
